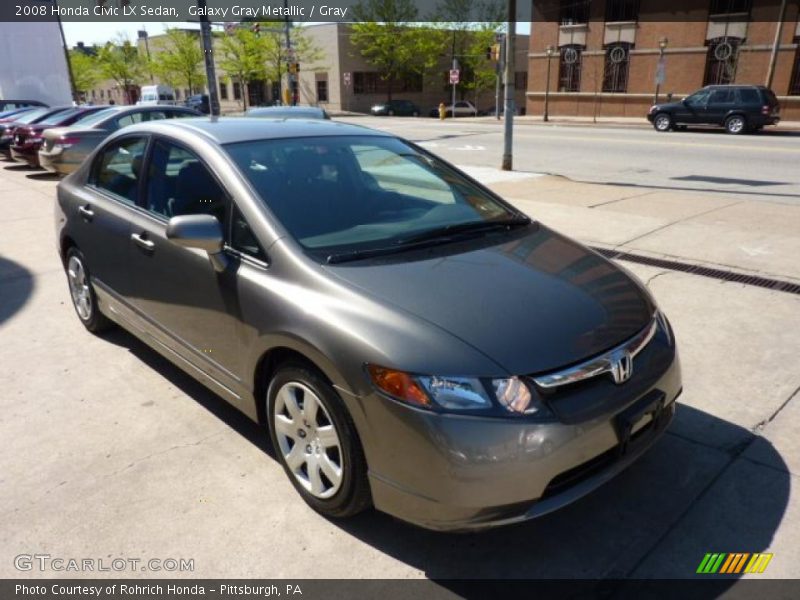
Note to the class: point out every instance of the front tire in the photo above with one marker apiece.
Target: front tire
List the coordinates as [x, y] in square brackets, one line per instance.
[662, 122]
[84, 299]
[316, 442]
[736, 124]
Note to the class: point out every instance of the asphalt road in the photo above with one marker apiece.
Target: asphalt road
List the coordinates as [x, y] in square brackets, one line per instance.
[758, 167]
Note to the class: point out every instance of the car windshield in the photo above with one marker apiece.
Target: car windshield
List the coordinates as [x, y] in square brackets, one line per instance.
[363, 193]
[96, 117]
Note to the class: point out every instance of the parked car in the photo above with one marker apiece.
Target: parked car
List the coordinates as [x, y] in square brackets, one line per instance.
[737, 108]
[370, 304]
[288, 112]
[27, 139]
[65, 148]
[33, 116]
[12, 104]
[156, 94]
[490, 112]
[464, 108]
[395, 108]
[199, 102]
[13, 114]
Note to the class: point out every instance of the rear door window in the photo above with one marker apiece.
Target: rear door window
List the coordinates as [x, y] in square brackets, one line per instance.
[117, 168]
[129, 119]
[748, 96]
[726, 96]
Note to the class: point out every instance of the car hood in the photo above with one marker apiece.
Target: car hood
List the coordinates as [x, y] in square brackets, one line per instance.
[534, 303]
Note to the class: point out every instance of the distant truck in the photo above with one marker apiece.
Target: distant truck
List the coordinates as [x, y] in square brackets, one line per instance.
[157, 94]
[32, 63]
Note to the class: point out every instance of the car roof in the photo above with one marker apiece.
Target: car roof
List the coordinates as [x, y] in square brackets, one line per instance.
[230, 130]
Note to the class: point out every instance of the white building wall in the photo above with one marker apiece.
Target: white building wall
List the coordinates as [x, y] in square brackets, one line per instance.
[32, 63]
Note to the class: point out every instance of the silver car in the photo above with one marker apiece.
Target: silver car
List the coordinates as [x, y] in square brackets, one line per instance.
[410, 341]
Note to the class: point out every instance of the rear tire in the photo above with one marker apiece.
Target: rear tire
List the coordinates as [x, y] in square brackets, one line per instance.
[316, 442]
[736, 124]
[84, 299]
[662, 122]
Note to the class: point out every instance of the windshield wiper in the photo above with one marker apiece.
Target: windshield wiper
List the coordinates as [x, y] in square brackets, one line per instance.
[349, 255]
[447, 232]
[430, 237]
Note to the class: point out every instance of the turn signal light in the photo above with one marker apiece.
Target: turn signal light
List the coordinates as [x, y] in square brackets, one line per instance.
[398, 385]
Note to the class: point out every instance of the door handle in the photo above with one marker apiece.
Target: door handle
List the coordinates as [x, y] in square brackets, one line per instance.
[86, 212]
[143, 242]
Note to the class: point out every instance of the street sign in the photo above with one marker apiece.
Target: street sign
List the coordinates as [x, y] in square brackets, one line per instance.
[454, 76]
[347, 78]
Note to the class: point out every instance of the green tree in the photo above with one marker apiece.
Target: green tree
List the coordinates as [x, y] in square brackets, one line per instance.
[121, 62]
[384, 35]
[242, 57]
[85, 72]
[178, 60]
[465, 30]
[306, 52]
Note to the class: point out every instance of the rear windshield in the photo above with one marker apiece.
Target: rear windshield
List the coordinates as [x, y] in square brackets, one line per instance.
[30, 117]
[56, 118]
[98, 116]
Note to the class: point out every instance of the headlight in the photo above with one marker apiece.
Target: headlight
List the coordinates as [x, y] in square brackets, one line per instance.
[513, 394]
[427, 391]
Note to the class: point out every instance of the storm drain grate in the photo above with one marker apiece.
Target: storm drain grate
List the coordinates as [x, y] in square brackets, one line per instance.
[721, 274]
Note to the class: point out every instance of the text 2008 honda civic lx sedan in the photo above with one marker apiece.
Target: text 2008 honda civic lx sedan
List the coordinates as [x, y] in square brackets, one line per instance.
[410, 340]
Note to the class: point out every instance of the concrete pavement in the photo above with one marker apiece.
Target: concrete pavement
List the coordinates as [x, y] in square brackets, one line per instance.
[110, 451]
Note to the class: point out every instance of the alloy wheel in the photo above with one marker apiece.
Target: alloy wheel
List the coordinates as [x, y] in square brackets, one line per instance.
[308, 440]
[735, 124]
[79, 288]
[663, 122]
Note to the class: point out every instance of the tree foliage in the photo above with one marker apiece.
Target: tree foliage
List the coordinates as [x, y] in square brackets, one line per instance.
[178, 60]
[385, 36]
[243, 57]
[121, 62]
[85, 71]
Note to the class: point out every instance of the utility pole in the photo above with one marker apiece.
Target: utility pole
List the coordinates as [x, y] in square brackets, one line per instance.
[72, 88]
[508, 133]
[776, 44]
[498, 74]
[208, 54]
[454, 66]
[289, 55]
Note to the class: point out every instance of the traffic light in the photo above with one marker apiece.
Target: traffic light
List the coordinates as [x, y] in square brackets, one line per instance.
[494, 52]
[294, 68]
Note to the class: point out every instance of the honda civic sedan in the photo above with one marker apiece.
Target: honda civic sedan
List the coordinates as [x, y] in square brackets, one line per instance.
[409, 340]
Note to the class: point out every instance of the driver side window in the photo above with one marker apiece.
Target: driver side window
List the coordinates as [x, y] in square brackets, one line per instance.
[178, 183]
[698, 99]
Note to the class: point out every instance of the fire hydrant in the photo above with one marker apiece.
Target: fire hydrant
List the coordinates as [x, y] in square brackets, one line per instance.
[442, 111]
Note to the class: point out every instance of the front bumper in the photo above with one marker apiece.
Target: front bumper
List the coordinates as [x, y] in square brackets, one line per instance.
[453, 472]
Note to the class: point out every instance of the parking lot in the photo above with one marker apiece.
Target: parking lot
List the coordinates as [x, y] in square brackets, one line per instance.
[111, 451]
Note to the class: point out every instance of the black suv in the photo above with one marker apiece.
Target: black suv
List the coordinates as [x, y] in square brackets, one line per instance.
[199, 102]
[737, 108]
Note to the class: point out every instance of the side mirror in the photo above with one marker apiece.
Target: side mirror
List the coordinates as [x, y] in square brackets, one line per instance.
[203, 232]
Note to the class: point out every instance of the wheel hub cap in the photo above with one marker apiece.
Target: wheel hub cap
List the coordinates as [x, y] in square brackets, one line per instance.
[79, 288]
[308, 440]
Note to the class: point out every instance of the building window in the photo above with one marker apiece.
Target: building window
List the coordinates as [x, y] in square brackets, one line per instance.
[794, 84]
[223, 90]
[521, 80]
[615, 73]
[370, 82]
[721, 60]
[572, 12]
[569, 69]
[622, 10]
[237, 90]
[322, 90]
[729, 7]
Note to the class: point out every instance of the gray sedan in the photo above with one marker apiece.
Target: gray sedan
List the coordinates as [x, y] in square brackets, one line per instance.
[65, 148]
[409, 340]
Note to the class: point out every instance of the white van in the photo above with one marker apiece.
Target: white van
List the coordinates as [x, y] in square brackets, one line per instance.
[157, 94]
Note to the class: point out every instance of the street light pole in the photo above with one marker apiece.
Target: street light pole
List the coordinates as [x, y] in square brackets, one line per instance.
[660, 69]
[508, 133]
[549, 51]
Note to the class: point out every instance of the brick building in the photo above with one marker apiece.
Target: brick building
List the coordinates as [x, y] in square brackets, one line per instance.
[605, 54]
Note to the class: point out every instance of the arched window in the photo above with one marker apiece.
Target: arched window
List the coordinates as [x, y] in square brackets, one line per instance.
[723, 54]
[569, 69]
[615, 73]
